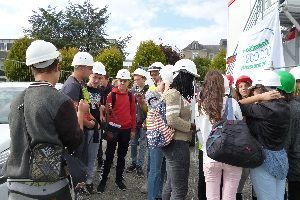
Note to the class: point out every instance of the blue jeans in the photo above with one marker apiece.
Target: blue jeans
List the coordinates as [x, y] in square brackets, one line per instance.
[157, 170]
[141, 140]
[92, 156]
[266, 186]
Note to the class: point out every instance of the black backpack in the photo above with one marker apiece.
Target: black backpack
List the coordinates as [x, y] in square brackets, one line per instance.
[231, 142]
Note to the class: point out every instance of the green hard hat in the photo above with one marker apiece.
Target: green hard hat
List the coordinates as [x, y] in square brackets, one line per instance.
[288, 82]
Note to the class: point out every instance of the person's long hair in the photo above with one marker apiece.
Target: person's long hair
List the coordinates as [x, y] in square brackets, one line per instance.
[212, 95]
[183, 83]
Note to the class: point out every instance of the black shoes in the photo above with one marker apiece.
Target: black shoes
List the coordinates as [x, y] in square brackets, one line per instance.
[101, 186]
[131, 168]
[90, 188]
[121, 185]
[139, 171]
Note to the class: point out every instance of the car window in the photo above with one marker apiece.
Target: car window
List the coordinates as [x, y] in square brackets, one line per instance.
[7, 95]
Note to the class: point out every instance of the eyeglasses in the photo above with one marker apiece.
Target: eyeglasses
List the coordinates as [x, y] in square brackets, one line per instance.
[89, 67]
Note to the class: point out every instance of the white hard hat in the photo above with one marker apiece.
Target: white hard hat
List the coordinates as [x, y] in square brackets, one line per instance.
[99, 68]
[83, 58]
[186, 65]
[296, 72]
[166, 74]
[140, 72]
[155, 67]
[123, 74]
[41, 54]
[266, 78]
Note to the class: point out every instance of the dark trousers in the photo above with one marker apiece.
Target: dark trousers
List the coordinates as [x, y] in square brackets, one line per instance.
[177, 155]
[121, 138]
[201, 181]
[100, 153]
[294, 190]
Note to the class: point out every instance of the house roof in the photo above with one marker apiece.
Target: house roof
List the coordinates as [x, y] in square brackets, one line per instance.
[196, 46]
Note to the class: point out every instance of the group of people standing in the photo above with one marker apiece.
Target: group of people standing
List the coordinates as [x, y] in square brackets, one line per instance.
[81, 115]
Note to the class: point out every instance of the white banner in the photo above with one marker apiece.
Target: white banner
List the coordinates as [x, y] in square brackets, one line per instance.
[260, 48]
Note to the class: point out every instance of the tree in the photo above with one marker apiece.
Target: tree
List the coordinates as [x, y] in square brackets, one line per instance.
[85, 26]
[47, 24]
[14, 65]
[171, 54]
[202, 65]
[112, 59]
[219, 62]
[67, 58]
[122, 45]
[147, 53]
[80, 26]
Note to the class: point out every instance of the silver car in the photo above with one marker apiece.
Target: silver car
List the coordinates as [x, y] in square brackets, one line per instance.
[8, 92]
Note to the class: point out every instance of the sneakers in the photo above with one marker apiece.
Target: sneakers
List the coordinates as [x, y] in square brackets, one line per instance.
[121, 185]
[131, 168]
[101, 187]
[144, 188]
[139, 171]
[90, 188]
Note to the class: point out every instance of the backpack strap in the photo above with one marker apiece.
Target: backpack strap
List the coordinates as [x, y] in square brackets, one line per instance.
[113, 99]
[114, 96]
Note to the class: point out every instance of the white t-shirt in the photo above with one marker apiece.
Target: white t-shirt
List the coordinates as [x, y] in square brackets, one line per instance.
[203, 123]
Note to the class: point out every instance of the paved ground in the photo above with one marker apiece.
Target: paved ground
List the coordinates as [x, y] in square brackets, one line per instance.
[134, 184]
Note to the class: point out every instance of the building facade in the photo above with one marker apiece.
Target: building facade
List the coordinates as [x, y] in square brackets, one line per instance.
[197, 50]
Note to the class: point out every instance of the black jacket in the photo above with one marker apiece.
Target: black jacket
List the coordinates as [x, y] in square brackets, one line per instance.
[268, 122]
[293, 142]
[104, 91]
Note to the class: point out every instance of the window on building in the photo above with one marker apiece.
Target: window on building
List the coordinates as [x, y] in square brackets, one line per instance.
[195, 46]
[8, 46]
[195, 55]
[2, 47]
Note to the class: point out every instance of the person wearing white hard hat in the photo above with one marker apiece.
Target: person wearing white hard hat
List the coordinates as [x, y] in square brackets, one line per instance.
[213, 100]
[104, 87]
[49, 118]
[156, 161]
[268, 118]
[178, 115]
[154, 71]
[121, 109]
[96, 114]
[139, 142]
[74, 86]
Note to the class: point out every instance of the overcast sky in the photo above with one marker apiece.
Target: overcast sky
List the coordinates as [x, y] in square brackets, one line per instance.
[174, 22]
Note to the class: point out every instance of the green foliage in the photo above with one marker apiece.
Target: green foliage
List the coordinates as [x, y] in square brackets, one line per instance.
[85, 26]
[112, 59]
[202, 65]
[14, 65]
[171, 54]
[122, 44]
[219, 62]
[147, 53]
[80, 26]
[67, 58]
[47, 24]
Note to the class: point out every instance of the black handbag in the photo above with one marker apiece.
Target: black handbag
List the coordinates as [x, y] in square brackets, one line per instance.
[76, 168]
[231, 142]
